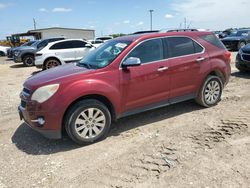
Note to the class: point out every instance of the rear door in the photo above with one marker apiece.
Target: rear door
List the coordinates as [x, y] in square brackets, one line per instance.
[148, 83]
[186, 57]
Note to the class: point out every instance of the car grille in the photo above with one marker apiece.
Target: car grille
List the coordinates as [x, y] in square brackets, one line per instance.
[25, 93]
[23, 104]
[246, 57]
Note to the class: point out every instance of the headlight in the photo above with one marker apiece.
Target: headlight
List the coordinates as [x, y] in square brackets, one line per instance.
[240, 51]
[44, 93]
[16, 53]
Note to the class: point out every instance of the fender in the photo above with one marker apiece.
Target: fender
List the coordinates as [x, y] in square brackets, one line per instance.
[87, 87]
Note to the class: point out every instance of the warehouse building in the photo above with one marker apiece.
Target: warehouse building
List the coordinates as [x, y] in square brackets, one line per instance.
[72, 33]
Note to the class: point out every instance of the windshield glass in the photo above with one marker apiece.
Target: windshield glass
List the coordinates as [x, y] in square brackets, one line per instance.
[238, 33]
[105, 54]
[35, 44]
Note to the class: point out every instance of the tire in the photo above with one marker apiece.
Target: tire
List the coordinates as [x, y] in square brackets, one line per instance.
[240, 45]
[50, 63]
[2, 53]
[210, 92]
[89, 128]
[28, 60]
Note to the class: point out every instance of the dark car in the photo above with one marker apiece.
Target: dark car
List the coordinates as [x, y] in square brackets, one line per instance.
[26, 54]
[243, 59]
[125, 76]
[237, 39]
[10, 52]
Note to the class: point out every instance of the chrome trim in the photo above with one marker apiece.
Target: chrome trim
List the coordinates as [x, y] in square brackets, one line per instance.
[202, 52]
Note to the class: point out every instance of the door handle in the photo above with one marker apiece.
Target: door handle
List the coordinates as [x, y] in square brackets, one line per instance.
[200, 59]
[161, 69]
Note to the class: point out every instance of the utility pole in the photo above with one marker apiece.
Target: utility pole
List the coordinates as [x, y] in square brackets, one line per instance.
[34, 22]
[185, 23]
[151, 19]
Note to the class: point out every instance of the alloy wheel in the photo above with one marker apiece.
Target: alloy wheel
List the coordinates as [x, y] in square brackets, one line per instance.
[212, 92]
[90, 123]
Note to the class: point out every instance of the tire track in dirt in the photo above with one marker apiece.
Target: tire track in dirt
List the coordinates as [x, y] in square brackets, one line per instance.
[133, 170]
[225, 129]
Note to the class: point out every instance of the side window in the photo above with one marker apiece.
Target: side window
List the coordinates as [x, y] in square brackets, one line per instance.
[79, 44]
[148, 51]
[197, 47]
[62, 45]
[180, 46]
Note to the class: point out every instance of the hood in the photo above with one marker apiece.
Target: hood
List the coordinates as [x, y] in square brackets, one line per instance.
[236, 38]
[55, 75]
[246, 49]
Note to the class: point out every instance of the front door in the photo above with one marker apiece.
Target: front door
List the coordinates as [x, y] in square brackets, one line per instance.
[148, 83]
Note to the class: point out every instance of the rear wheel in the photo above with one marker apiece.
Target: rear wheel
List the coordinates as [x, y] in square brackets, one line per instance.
[50, 63]
[28, 60]
[87, 121]
[210, 92]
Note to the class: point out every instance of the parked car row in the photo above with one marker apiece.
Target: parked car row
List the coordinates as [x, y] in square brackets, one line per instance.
[52, 52]
[237, 39]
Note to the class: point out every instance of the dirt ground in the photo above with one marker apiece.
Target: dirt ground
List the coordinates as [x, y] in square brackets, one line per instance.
[182, 145]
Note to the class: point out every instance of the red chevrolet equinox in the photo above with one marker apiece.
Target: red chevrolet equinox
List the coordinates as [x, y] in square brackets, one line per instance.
[125, 76]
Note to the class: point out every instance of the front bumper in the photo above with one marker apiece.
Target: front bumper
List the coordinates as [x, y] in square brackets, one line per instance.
[39, 62]
[241, 62]
[17, 59]
[31, 111]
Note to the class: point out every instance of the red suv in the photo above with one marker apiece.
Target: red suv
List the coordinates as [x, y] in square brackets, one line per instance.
[125, 76]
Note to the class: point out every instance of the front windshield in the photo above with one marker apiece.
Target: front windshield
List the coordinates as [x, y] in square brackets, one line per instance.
[105, 54]
[35, 44]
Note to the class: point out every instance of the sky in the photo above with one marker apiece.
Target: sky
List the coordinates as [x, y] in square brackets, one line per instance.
[114, 16]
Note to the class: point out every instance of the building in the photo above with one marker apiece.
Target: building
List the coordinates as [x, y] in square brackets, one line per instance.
[72, 33]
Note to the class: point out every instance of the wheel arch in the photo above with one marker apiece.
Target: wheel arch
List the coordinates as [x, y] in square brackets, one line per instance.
[98, 97]
[219, 74]
[26, 54]
[52, 57]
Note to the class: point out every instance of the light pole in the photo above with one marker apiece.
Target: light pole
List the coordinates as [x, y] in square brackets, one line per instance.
[151, 19]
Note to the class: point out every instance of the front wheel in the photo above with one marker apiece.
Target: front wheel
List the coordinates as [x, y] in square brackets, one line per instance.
[210, 92]
[87, 121]
[28, 60]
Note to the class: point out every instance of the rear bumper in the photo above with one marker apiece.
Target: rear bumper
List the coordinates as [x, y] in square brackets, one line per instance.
[231, 44]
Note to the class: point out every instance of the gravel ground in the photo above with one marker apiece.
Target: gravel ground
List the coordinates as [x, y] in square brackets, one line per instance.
[183, 145]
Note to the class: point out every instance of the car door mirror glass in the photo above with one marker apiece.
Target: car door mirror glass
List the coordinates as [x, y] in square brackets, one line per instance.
[131, 62]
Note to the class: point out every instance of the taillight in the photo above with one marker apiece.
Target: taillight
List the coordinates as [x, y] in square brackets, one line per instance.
[228, 56]
[39, 54]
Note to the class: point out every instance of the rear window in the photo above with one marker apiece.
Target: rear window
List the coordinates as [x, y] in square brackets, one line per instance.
[212, 39]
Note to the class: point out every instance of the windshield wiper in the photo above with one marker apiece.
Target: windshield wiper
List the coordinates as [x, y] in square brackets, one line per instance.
[88, 66]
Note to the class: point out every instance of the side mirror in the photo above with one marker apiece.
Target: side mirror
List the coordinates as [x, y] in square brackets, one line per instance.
[89, 45]
[131, 62]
